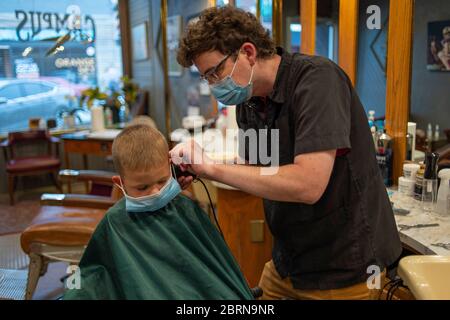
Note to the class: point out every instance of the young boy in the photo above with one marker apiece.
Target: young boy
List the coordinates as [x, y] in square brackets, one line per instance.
[155, 243]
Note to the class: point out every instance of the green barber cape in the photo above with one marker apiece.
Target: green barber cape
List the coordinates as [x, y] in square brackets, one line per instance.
[173, 253]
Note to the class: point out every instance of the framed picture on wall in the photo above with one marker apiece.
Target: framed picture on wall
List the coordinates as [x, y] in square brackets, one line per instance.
[438, 46]
[174, 30]
[139, 39]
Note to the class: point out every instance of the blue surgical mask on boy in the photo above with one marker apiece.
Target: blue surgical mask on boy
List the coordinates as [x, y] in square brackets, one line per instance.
[228, 92]
[153, 202]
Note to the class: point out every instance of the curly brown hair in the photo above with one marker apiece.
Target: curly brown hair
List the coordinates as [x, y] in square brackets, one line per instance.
[224, 29]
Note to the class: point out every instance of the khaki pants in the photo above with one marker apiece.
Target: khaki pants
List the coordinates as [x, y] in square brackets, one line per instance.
[275, 288]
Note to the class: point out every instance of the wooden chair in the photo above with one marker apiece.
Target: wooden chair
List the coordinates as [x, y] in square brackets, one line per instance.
[17, 166]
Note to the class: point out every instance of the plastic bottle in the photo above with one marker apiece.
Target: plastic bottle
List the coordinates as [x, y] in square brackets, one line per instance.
[373, 130]
[430, 132]
[443, 193]
[371, 118]
[108, 117]
[430, 182]
[419, 183]
[437, 133]
[384, 157]
[409, 146]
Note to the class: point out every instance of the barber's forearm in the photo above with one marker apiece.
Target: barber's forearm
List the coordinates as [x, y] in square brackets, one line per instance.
[288, 184]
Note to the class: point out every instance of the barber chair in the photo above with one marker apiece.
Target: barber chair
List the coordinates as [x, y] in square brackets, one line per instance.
[66, 222]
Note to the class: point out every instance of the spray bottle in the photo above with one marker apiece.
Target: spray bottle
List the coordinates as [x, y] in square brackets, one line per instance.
[384, 157]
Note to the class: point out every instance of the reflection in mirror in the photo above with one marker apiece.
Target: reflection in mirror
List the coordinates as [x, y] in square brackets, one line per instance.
[291, 25]
[372, 56]
[327, 29]
[50, 52]
[266, 14]
[247, 5]
[221, 3]
[430, 87]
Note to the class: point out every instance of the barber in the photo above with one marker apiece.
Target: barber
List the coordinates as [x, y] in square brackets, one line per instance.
[326, 205]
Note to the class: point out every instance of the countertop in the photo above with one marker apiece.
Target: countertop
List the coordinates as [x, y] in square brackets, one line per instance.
[421, 239]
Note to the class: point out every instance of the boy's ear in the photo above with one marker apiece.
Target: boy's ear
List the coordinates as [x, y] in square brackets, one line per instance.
[116, 180]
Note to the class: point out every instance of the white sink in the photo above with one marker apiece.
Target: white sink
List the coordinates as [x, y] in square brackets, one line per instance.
[428, 277]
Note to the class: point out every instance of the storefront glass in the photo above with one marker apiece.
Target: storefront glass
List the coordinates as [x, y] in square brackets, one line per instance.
[50, 51]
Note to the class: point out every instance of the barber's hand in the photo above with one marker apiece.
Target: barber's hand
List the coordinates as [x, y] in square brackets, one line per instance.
[185, 182]
[191, 157]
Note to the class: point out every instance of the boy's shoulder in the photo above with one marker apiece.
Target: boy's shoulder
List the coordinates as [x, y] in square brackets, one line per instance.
[184, 200]
[116, 211]
[117, 208]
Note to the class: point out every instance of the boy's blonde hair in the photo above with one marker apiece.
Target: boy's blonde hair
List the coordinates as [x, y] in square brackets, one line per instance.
[139, 148]
[143, 119]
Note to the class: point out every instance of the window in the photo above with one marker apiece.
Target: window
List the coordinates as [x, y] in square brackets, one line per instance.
[266, 14]
[35, 88]
[247, 5]
[221, 3]
[10, 92]
[91, 56]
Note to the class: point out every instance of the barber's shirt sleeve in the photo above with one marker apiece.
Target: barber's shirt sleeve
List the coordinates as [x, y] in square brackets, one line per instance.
[322, 115]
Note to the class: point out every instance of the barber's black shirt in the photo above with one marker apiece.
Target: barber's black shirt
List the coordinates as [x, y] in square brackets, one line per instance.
[330, 244]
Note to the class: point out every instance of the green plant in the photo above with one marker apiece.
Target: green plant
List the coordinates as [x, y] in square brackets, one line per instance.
[127, 94]
[92, 94]
[114, 100]
[130, 90]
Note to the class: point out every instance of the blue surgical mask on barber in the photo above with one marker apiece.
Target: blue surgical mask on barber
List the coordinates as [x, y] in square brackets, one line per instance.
[228, 92]
[153, 202]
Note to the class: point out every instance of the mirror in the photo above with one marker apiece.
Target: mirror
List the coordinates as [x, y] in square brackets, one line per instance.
[266, 9]
[430, 92]
[247, 5]
[292, 26]
[327, 25]
[372, 55]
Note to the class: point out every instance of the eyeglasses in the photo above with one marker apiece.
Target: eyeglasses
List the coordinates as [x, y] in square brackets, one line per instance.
[211, 75]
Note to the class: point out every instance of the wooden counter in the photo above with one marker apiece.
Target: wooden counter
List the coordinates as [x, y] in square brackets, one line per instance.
[241, 218]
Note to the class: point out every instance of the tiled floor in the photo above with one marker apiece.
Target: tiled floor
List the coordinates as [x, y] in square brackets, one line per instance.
[13, 220]
[14, 269]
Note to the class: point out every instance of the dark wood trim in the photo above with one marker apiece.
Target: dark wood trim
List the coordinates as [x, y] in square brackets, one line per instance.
[165, 64]
[124, 18]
